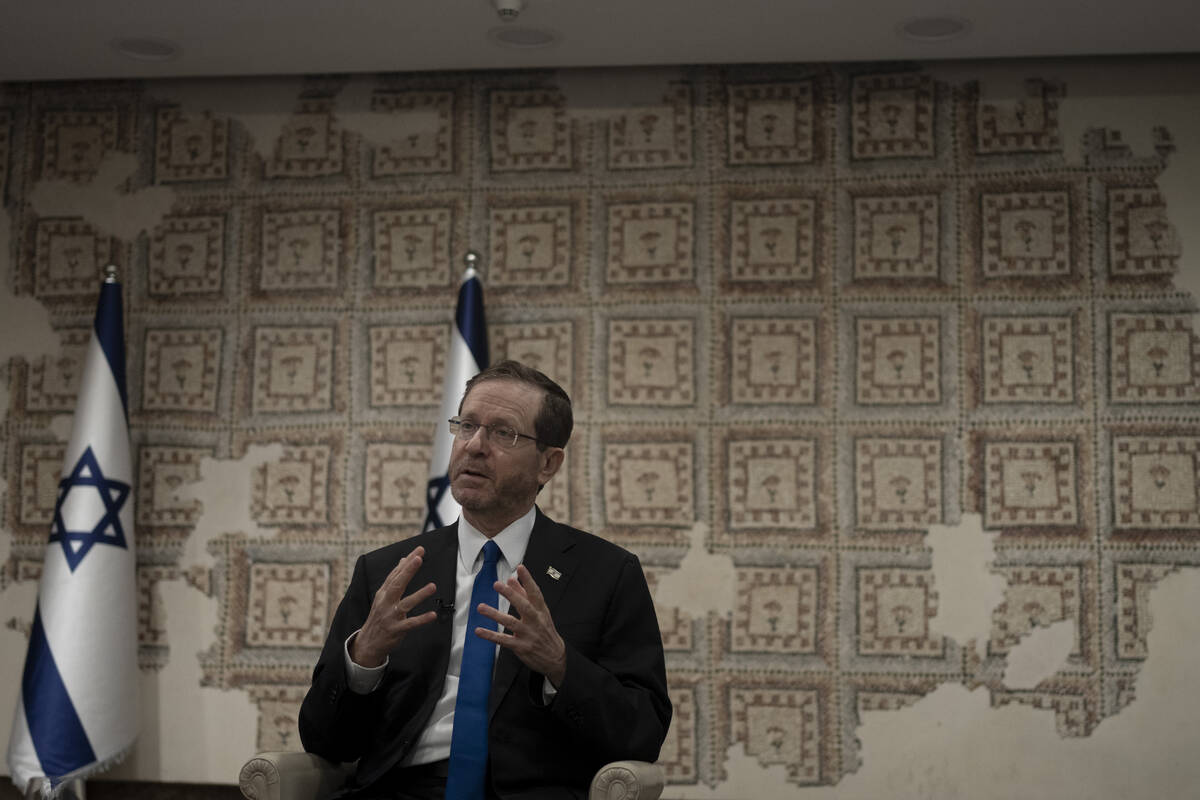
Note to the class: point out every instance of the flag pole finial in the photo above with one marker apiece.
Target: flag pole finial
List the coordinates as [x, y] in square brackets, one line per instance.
[471, 259]
[110, 274]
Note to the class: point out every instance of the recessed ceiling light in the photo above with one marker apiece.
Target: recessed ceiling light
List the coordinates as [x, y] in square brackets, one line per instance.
[143, 48]
[934, 29]
[514, 36]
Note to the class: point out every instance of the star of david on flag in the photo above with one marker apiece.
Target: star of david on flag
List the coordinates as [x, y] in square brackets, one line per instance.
[77, 710]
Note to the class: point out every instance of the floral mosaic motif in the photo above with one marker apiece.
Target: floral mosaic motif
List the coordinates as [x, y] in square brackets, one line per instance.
[898, 483]
[774, 360]
[288, 604]
[278, 712]
[1153, 359]
[651, 362]
[547, 346]
[54, 379]
[422, 123]
[772, 240]
[779, 726]
[412, 248]
[301, 250]
[1156, 483]
[899, 361]
[190, 146]
[164, 475]
[187, 256]
[772, 484]
[395, 474]
[896, 238]
[895, 607]
[69, 258]
[75, 143]
[1031, 484]
[771, 123]
[649, 483]
[310, 144]
[292, 369]
[892, 116]
[530, 246]
[408, 363]
[651, 243]
[41, 470]
[776, 611]
[1028, 360]
[182, 369]
[1026, 234]
[293, 490]
[653, 136]
[530, 130]
[1035, 597]
[1142, 240]
[1029, 124]
[1134, 583]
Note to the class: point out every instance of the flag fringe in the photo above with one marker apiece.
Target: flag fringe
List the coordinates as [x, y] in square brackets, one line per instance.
[47, 791]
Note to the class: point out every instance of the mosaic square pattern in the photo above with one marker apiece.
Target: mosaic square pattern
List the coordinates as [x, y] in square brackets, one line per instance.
[674, 623]
[896, 238]
[423, 126]
[74, 143]
[895, 606]
[650, 243]
[892, 116]
[69, 258]
[899, 361]
[408, 363]
[530, 130]
[678, 756]
[1156, 483]
[649, 483]
[1027, 125]
[897, 483]
[54, 380]
[41, 470]
[776, 611]
[772, 484]
[310, 144]
[774, 360]
[151, 614]
[653, 136]
[1141, 238]
[772, 240]
[187, 256]
[1026, 234]
[1036, 596]
[771, 123]
[412, 248]
[1075, 702]
[394, 483]
[1153, 359]
[294, 489]
[190, 147]
[651, 362]
[778, 725]
[182, 370]
[300, 250]
[1134, 584]
[288, 605]
[164, 472]
[546, 346]
[292, 369]
[530, 246]
[278, 712]
[1031, 484]
[1028, 360]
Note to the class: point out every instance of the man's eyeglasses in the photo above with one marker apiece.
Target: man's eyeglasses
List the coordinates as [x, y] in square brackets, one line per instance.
[499, 435]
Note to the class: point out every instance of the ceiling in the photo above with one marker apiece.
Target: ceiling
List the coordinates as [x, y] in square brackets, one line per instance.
[65, 39]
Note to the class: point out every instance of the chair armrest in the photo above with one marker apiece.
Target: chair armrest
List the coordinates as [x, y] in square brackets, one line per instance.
[628, 780]
[290, 776]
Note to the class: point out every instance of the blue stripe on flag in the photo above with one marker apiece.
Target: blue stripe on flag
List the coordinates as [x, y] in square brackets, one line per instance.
[58, 736]
[471, 325]
[110, 334]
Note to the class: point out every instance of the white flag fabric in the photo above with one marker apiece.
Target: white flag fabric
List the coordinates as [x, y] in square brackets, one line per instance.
[468, 355]
[77, 712]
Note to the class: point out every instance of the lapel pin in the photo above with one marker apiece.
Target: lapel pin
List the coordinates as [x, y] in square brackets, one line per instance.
[553, 573]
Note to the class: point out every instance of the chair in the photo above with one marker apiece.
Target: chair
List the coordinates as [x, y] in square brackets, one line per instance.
[303, 776]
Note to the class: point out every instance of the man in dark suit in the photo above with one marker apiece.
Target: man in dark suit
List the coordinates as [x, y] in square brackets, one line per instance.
[579, 677]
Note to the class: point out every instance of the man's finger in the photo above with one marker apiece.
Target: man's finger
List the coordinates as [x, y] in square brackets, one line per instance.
[409, 602]
[530, 585]
[505, 620]
[515, 593]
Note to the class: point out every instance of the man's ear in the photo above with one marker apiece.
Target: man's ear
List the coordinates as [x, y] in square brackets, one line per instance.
[551, 460]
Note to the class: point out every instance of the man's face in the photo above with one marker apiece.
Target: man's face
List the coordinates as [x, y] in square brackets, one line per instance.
[495, 485]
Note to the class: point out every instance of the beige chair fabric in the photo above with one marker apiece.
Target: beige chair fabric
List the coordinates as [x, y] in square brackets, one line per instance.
[303, 776]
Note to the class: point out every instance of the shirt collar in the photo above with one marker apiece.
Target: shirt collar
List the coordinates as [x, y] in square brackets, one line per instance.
[512, 541]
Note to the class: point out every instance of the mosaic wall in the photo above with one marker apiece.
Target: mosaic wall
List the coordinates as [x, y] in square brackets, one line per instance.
[805, 314]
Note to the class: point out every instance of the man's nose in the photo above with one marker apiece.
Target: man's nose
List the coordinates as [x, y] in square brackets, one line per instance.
[479, 440]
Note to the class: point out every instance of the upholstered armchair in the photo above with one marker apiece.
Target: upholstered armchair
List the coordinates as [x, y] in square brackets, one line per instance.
[303, 776]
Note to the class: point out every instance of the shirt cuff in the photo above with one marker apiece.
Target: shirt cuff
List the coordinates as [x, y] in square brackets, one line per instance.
[548, 691]
[364, 680]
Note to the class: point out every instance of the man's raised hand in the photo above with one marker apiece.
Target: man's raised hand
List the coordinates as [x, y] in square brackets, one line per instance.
[388, 621]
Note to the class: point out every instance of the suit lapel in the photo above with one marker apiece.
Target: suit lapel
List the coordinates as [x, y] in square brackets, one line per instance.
[440, 566]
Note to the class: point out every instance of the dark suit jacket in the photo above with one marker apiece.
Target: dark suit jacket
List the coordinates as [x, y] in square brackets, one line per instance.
[612, 704]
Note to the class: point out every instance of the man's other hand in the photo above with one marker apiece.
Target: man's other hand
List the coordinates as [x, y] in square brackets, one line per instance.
[388, 621]
[534, 639]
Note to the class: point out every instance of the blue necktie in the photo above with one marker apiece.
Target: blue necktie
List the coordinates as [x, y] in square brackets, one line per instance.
[469, 740]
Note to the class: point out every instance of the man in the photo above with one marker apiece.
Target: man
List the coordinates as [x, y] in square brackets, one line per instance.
[579, 677]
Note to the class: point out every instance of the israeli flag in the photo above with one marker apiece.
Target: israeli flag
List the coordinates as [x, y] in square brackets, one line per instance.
[468, 355]
[78, 709]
